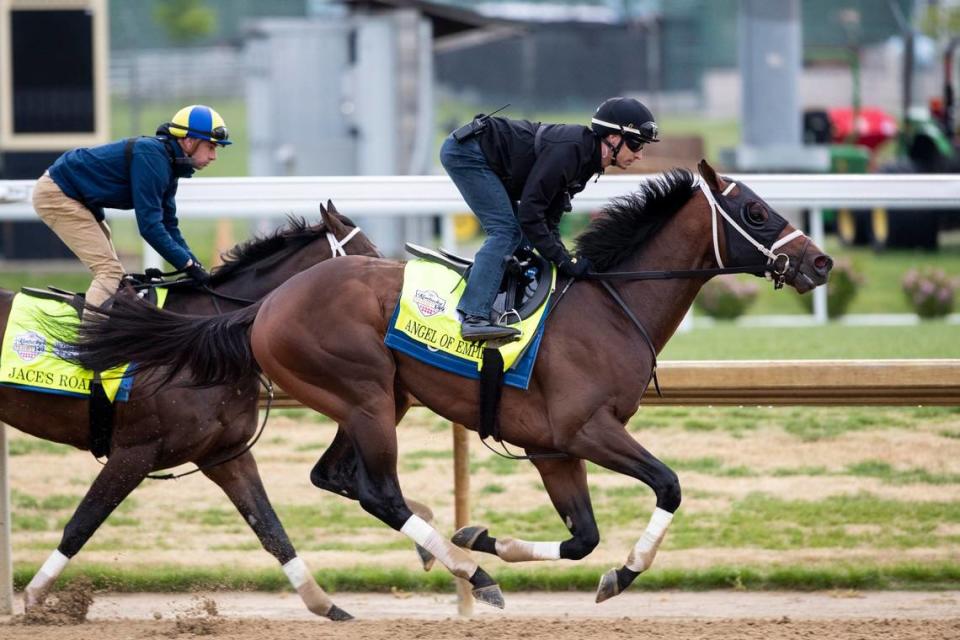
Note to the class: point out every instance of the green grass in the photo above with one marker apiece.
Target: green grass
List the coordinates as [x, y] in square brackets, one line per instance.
[836, 575]
[29, 446]
[842, 521]
[805, 423]
[728, 342]
[883, 272]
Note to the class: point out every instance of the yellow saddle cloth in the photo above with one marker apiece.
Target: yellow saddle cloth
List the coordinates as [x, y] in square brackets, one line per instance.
[427, 314]
[31, 358]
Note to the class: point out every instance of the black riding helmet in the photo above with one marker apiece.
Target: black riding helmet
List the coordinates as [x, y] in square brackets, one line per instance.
[627, 117]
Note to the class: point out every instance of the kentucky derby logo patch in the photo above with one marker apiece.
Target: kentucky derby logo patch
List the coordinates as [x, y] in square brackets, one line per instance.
[29, 346]
[429, 302]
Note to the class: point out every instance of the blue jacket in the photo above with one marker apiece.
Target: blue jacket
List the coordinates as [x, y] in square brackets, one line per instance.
[99, 178]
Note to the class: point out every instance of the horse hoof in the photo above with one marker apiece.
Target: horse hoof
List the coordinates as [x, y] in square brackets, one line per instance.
[426, 558]
[338, 615]
[491, 595]
[609, 586]
[467, 536]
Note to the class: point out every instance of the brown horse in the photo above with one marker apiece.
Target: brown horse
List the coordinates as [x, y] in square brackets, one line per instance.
[163, 426]
[595, 362]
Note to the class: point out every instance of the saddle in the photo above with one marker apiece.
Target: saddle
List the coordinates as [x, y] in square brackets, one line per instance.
[100, 408]
[525, 285]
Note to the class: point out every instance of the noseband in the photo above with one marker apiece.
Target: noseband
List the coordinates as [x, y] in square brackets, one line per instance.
[778, 263]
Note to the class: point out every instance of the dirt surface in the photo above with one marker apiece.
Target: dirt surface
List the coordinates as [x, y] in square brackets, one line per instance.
[563, 616]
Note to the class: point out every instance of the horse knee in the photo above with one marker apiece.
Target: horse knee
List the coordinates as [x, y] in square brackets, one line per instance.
[580, 545]
[667, 489]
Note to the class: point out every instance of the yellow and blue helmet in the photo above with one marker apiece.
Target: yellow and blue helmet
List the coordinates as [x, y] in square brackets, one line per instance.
[199, 121]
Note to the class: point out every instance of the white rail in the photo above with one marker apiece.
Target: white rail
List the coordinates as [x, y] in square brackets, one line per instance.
[409, 195]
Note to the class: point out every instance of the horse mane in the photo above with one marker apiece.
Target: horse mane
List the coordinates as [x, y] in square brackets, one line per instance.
[260, 248]
[628, 222]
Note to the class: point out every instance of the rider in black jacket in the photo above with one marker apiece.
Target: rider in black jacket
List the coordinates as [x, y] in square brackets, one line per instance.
[518, 177]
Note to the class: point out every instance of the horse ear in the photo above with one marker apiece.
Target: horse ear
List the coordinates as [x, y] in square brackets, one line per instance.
[332, 220]
[710, 176]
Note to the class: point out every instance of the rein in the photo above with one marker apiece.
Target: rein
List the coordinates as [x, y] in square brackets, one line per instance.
[776, 268]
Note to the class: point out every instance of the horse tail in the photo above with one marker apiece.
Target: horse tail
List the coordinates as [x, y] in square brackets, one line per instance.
[208, 350]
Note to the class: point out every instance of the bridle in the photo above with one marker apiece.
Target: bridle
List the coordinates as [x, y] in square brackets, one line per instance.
[778, 263]
[777, 267]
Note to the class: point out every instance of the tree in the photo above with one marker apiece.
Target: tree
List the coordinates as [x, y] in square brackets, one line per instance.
[185, 21]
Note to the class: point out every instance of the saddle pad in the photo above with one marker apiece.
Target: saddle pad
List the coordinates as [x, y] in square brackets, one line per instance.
[426, 326]
[29, 359]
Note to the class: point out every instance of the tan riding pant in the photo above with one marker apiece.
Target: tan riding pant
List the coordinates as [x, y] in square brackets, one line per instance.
[88, 239]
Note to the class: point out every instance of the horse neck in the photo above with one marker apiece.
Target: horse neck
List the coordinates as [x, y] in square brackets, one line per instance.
[248, 284]
[685, 242]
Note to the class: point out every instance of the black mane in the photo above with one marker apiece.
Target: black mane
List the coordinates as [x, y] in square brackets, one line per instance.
[630, 221]
[261, 247]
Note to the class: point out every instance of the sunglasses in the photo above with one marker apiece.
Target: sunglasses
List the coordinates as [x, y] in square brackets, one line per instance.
[634, 144]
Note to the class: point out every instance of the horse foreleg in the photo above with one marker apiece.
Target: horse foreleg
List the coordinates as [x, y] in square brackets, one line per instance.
[566, 482]
[122, 473]
[240, 480]
[605, 441]
[336, 471]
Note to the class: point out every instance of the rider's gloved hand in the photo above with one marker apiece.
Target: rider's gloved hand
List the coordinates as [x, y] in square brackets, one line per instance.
[198, 274]
[575, 268]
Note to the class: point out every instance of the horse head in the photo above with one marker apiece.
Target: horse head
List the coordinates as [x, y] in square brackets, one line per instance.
[753, 233]
[261, 264]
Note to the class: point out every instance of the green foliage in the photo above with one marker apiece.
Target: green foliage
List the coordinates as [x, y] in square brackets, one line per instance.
[726, 297]
[185, 21]
[931, 292]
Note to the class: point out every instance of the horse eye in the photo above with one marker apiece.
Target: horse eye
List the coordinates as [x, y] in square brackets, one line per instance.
[756, 213]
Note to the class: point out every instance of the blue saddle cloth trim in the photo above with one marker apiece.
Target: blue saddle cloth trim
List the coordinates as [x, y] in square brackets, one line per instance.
[123, 394]
[516, 376]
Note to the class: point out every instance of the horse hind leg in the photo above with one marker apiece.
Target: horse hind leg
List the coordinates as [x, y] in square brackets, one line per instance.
[240, 480]
[336, 471]
[375, 440]
[605, 441]
[566, 483]
[123, 472]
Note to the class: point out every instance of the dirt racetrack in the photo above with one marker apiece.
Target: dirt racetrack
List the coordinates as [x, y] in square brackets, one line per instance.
[560, 616]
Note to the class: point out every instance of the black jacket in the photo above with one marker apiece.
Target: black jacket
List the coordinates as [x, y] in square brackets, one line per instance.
[544, 179]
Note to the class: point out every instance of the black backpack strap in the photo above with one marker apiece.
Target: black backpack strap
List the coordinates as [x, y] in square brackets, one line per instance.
[128, 151]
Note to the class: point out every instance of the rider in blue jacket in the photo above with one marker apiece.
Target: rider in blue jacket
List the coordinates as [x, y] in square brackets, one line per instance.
[140, 174]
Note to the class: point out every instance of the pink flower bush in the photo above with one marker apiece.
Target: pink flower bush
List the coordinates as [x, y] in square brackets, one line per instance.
[931, 292]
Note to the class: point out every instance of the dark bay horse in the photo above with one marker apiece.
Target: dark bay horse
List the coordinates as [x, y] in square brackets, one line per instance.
[593, 367]
[165, 426]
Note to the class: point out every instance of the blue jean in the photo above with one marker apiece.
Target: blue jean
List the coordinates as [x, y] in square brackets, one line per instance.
[487, 197]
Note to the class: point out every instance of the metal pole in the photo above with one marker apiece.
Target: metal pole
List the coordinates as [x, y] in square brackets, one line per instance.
[461, 500]
[6, 554]
[820, 293]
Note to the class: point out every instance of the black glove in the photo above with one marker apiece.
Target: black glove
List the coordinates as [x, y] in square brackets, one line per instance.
[575, 268]
[197, 273]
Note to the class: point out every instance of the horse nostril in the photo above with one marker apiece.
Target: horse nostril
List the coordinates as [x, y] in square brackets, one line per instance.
[822, 264]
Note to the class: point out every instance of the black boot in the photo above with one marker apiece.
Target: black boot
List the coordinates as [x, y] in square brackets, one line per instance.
[476, 328]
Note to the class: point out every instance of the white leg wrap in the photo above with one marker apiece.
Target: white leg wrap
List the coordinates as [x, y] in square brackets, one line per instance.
[513, 550]
[646, 548]
[50, 570]
[41, 582]
[449, 555]
[297, 572]
[310, 592]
